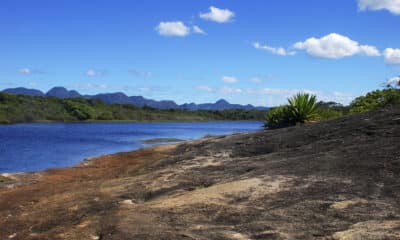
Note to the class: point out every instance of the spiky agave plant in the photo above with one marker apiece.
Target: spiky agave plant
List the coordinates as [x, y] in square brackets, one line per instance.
[303, 107]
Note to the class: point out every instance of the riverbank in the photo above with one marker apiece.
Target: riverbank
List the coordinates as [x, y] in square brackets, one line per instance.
[22, 109]
[337, 179]
[132, 121]
[38, 146]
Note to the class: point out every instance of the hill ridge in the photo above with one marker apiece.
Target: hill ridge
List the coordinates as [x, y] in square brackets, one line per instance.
[139, 101]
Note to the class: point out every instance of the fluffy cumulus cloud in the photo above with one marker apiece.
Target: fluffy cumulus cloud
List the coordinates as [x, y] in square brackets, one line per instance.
[392, 55]
[218, 15]
[177, 28]
[230, 79]
[392, 6]
[335, 46]
[274, 50]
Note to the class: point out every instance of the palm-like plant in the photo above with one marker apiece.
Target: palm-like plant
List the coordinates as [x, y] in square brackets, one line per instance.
[303, 107]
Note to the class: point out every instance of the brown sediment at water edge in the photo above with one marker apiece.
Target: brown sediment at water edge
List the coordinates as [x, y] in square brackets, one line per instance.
[338, 179]
[162, 140]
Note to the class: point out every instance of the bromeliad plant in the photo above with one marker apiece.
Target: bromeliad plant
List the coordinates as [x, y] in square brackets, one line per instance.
[303, 108]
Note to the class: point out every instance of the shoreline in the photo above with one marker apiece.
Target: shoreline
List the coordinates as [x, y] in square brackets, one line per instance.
[316, 181]
[15, 179]
[150, 144]
[130, 121]
[18, 179]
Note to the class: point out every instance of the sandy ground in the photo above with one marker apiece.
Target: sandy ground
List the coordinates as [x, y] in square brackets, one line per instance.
[334, 180]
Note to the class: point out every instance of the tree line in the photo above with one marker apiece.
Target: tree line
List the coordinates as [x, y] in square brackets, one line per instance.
[22, 108]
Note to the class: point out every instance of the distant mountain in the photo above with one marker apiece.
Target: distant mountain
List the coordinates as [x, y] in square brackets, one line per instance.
[139, 101]
[112, 98]
[24, 91]
[61, 92]
[221, 104]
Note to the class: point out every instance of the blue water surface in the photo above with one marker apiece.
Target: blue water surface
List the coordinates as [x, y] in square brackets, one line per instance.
[38, 146]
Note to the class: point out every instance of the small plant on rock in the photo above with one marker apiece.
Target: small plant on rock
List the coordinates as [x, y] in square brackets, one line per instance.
[303, 108]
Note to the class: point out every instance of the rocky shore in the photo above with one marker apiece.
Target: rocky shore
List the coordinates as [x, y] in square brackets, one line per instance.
[333, 180]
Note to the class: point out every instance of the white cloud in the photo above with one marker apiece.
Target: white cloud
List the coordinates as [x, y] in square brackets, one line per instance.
[145, 89]
[91, 86]
[197, 29]
[218, 15]
[222, 90]
[227, 90]
[278, 51]
[206, 88]
[255, 80]
[138, 73]
[177, 28]
[94, 73]
[335, 46]
[29, 71]
[392, 6]
[392, 55]
[280, 92]
[25, 71]
[394, 81]
[230, 79]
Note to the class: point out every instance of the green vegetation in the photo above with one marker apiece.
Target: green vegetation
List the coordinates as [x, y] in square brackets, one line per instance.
[375, 99]
[300, 109]
[20, 108]
[278, 117]
[303, 108]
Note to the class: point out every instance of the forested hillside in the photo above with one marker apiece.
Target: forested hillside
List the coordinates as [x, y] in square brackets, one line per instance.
[20, 108]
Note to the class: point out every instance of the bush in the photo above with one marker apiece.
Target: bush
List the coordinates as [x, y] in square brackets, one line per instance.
[105, 116]
[79, 110]
[302, 108]
[328, 113]
[278, 117]
[374, 100]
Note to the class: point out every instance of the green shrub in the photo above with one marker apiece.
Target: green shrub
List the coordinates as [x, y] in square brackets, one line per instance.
[278, 117]
[105, 116]
[374, 100]
[301, 108]
[328, 113]
[79, 110]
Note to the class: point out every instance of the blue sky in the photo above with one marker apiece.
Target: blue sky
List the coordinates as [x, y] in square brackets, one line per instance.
[254, 51]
